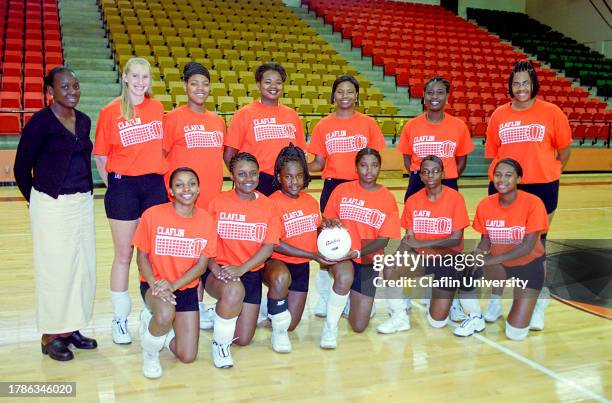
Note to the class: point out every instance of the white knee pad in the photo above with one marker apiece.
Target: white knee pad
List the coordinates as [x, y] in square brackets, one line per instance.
[515, 333]
[438, 324]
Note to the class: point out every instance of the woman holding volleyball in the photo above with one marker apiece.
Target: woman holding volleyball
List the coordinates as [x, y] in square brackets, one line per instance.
[369, 212]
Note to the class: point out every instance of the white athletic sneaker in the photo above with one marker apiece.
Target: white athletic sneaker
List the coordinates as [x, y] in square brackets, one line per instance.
[280, 341]
[151, 368]
[456, 311]
[121, 334]
[222, 355]
[493, 311]
[329, 337]
[537, 317]
[145, 319]
[320, 308]
[473, 323]
[398, 322]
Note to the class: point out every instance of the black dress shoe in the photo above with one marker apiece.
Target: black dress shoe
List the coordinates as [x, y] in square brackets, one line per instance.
[57, 349]
[80, 341]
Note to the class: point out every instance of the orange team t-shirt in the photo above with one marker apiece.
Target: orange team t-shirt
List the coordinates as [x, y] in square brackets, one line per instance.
[175, 243]
[195, 140]
[366, 215]
[506, 227]
[438, 219]
[133, 147]
[531, 137]
[243, 226]
[263, 131]
[339, 140]
[446, 140]
[300, 219]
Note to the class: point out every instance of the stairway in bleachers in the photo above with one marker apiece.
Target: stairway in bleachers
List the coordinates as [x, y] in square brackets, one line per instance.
[398, 95]
[86, 50]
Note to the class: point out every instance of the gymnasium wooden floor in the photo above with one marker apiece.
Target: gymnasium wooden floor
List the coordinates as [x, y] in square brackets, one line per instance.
[569, 361]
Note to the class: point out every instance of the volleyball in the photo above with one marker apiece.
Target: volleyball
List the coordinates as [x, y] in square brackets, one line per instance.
[334, 243]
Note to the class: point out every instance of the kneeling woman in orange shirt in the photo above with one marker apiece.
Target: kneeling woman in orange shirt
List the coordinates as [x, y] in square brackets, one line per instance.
[174, 241]
[511, 222]
[248, 227]
[369, 212]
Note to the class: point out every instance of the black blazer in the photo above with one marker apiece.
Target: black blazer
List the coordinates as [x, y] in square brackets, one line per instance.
[44, 152]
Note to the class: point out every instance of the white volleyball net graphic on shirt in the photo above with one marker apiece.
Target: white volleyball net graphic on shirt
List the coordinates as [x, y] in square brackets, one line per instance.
[301, 225]
[372, 217]
[274, 131]
[433, 226]
[506, 236]
[179, 247]
[202, 139]
[346, 144]
[441, 149]
[521, 134]
[141, 133]
[242, 231]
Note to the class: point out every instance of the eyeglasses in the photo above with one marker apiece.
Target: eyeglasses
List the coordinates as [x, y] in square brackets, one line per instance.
[427, 172]
[524, 84]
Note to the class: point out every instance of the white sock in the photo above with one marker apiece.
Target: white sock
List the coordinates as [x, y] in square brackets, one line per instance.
[495, 299]
[224, 329]
[516, 333]
[335, 306]
[169, 336]
[281, 321]
[323, 284]
[436, 323]
[122, 304]
[470, 303]
[202, 306]
[263, 306]
[152, 344]
[397, 306]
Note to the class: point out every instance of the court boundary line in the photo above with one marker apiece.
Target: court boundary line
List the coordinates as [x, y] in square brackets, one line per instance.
[534, 365]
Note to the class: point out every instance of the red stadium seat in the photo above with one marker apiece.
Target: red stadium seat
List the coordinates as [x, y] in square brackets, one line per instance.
[33, 100]
[10, 100]
[9, 123]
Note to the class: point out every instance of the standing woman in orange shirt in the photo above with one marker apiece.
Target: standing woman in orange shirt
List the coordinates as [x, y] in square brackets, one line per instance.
[128, 153]
[435, 132]
[335, 141]
[537, 135]
[193, 137]
[263, 127]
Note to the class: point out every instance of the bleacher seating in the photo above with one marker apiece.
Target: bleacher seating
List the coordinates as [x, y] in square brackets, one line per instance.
[563, 53]
[30, 45]
[232, 41]
[414, 42]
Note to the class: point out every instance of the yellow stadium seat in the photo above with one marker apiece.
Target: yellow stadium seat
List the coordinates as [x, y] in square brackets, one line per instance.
[314, 79]
[155, 73]
[165, 62]
[158, 87]
[237, 90]
[231, 54]
[249, 35]
[176, 88]
[239, 65]
[161, 51]
[226, 104]
[242, 101]
[279, 57]
[309, 92]
[218, 89]
[223, 44]
[155, 40]
[253, 90]
[210, 104]
[121, 39]
[166, 100]
[240, 44]
[221, 64]
[374, 94]
[207, 43]
[180, 99]
[270, 46]
[302, 105]
[256, 46]
[178, 51]
[388, 127]
[294, 57]
[287, 102]
[388, 108]
[371, 107]
[310, 122]
[319, 68]
[171, 74]
[233, 35]
[246, 77]
[292, 91]
[138, 39]
[181, 62]
[264, 55]
[298, 79]
[254, 64]
[122, 49]
[190, 42]
[213, 53]
[328, 79]
[248, 55]
[196, 52]
[142, 50]
[229, 76]
[289, 67]
[217, 34]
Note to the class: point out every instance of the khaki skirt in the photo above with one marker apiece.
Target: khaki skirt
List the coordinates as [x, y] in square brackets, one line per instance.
[64, 246]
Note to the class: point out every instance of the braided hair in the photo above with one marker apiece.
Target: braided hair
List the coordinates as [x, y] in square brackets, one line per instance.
[291, 153]
[242, 157]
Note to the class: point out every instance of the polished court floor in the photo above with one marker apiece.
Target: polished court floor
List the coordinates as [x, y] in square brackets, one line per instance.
[569, 361]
